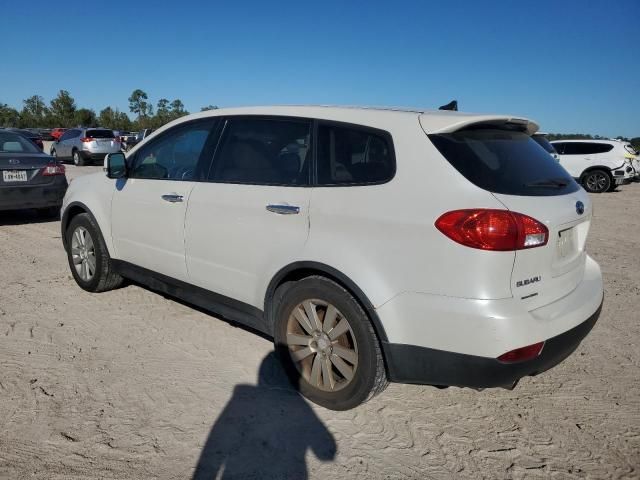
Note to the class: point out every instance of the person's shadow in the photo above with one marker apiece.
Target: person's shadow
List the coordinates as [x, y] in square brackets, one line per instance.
[264, 432]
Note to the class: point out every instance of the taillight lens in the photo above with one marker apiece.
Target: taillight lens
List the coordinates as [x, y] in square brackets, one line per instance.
[86, 139]
[488, 229]
[53, 169]
[522, 354]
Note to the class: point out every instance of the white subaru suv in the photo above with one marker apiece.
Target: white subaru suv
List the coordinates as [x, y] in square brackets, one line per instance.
[373, 245]
[599, 165]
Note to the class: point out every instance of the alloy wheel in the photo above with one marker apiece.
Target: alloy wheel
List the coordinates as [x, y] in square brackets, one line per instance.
[322, 345]
[597, 181]
[83, 253]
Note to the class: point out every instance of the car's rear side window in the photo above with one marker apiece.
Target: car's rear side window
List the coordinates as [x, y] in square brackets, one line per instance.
[586, 148]
[352, 155]
[263, 151]
[100, 134]
[505, 162]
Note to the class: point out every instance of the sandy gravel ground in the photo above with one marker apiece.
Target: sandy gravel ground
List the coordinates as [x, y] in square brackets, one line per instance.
[129, 384]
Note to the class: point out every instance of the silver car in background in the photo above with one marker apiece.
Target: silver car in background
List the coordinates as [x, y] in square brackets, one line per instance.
[85, 145]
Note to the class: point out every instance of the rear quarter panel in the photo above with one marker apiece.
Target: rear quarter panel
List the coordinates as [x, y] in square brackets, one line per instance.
[383, 236]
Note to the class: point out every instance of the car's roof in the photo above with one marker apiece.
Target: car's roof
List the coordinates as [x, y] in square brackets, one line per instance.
[432, 121]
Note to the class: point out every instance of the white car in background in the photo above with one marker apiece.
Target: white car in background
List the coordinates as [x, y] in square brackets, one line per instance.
[599, 165]
[373, 245]
[634, 156]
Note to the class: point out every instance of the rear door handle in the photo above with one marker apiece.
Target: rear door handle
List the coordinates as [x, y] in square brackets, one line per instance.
[172, 198]
[283, 209]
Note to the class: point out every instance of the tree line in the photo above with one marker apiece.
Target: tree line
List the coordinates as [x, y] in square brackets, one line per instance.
[62, 111]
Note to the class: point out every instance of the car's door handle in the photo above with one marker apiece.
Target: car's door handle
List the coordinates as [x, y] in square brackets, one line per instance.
[172, 197]
[283, 209]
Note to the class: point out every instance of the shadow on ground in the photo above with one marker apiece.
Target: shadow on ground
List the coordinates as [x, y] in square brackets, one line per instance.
[23, 217]
[264, 432]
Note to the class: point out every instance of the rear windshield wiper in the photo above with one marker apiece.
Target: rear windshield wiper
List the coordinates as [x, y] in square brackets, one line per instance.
[548, 183]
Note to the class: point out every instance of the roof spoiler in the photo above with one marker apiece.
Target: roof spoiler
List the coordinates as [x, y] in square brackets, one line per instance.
[451, 106]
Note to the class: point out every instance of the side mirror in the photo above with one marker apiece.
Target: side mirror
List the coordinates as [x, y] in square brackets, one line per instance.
[115, 165]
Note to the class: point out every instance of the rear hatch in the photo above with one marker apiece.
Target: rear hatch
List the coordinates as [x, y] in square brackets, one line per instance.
[101, 141]
[504, 160]
[19, 169]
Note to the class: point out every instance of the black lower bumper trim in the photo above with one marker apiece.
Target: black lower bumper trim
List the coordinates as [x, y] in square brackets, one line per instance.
[427, 366]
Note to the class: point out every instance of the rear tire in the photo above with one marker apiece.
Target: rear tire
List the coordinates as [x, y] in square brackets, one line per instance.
[597, 181]
[88, 256]
[78, 161]
[333, 359]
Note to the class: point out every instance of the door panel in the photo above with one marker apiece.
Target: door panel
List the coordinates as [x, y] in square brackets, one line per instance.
[252, 217]
[147, 229]
[234, 244]
[149, 207]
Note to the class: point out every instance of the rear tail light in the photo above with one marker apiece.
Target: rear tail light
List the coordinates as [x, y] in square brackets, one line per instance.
[86, 139]
[522, 354]
[498, 230]
[53, 169]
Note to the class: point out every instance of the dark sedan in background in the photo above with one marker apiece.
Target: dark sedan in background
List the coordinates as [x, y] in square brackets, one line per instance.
[29, 178]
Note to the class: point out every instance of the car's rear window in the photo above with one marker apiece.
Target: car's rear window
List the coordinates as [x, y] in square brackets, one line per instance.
[544, 143]
[100, 134]
[506, 162]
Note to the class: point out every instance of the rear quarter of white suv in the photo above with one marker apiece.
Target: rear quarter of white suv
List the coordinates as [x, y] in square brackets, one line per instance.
[373, 245]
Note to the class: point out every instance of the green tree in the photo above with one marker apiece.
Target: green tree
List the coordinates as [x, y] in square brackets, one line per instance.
[85, 117]
[209, 107]
[63, 109]
[9, 117]
[635, 141]
[114, 119]
[177, 109]
[138, 104]
[34, 112]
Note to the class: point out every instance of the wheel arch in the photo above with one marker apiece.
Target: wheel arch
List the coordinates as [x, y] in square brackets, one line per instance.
[303, 269]
[72, 210]
[596, 167]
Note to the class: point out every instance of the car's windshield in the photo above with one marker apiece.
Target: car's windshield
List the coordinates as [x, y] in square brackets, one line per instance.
[503, 161]
[14, 143]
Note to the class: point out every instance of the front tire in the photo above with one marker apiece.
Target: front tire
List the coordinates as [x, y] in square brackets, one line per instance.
[597, 181]
[327, 344]
[78, 161]
[88, 257]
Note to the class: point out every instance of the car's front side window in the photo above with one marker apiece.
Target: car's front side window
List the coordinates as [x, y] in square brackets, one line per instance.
[175, 155]
[263, 151]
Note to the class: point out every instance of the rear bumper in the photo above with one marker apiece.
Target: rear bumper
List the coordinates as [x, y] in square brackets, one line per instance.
[37, 196]
[421, 365]
[442, 340]
[92, 156]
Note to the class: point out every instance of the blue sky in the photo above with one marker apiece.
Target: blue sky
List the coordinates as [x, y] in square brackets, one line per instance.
[574, 66]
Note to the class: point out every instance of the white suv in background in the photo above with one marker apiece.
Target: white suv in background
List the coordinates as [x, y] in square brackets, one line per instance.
[599, 165]
[373, 245]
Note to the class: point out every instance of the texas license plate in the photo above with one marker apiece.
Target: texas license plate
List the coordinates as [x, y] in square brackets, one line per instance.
[14, 175]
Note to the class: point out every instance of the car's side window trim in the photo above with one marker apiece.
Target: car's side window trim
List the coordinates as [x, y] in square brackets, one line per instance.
[203, 160]
[384, 134]
[210, 177]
